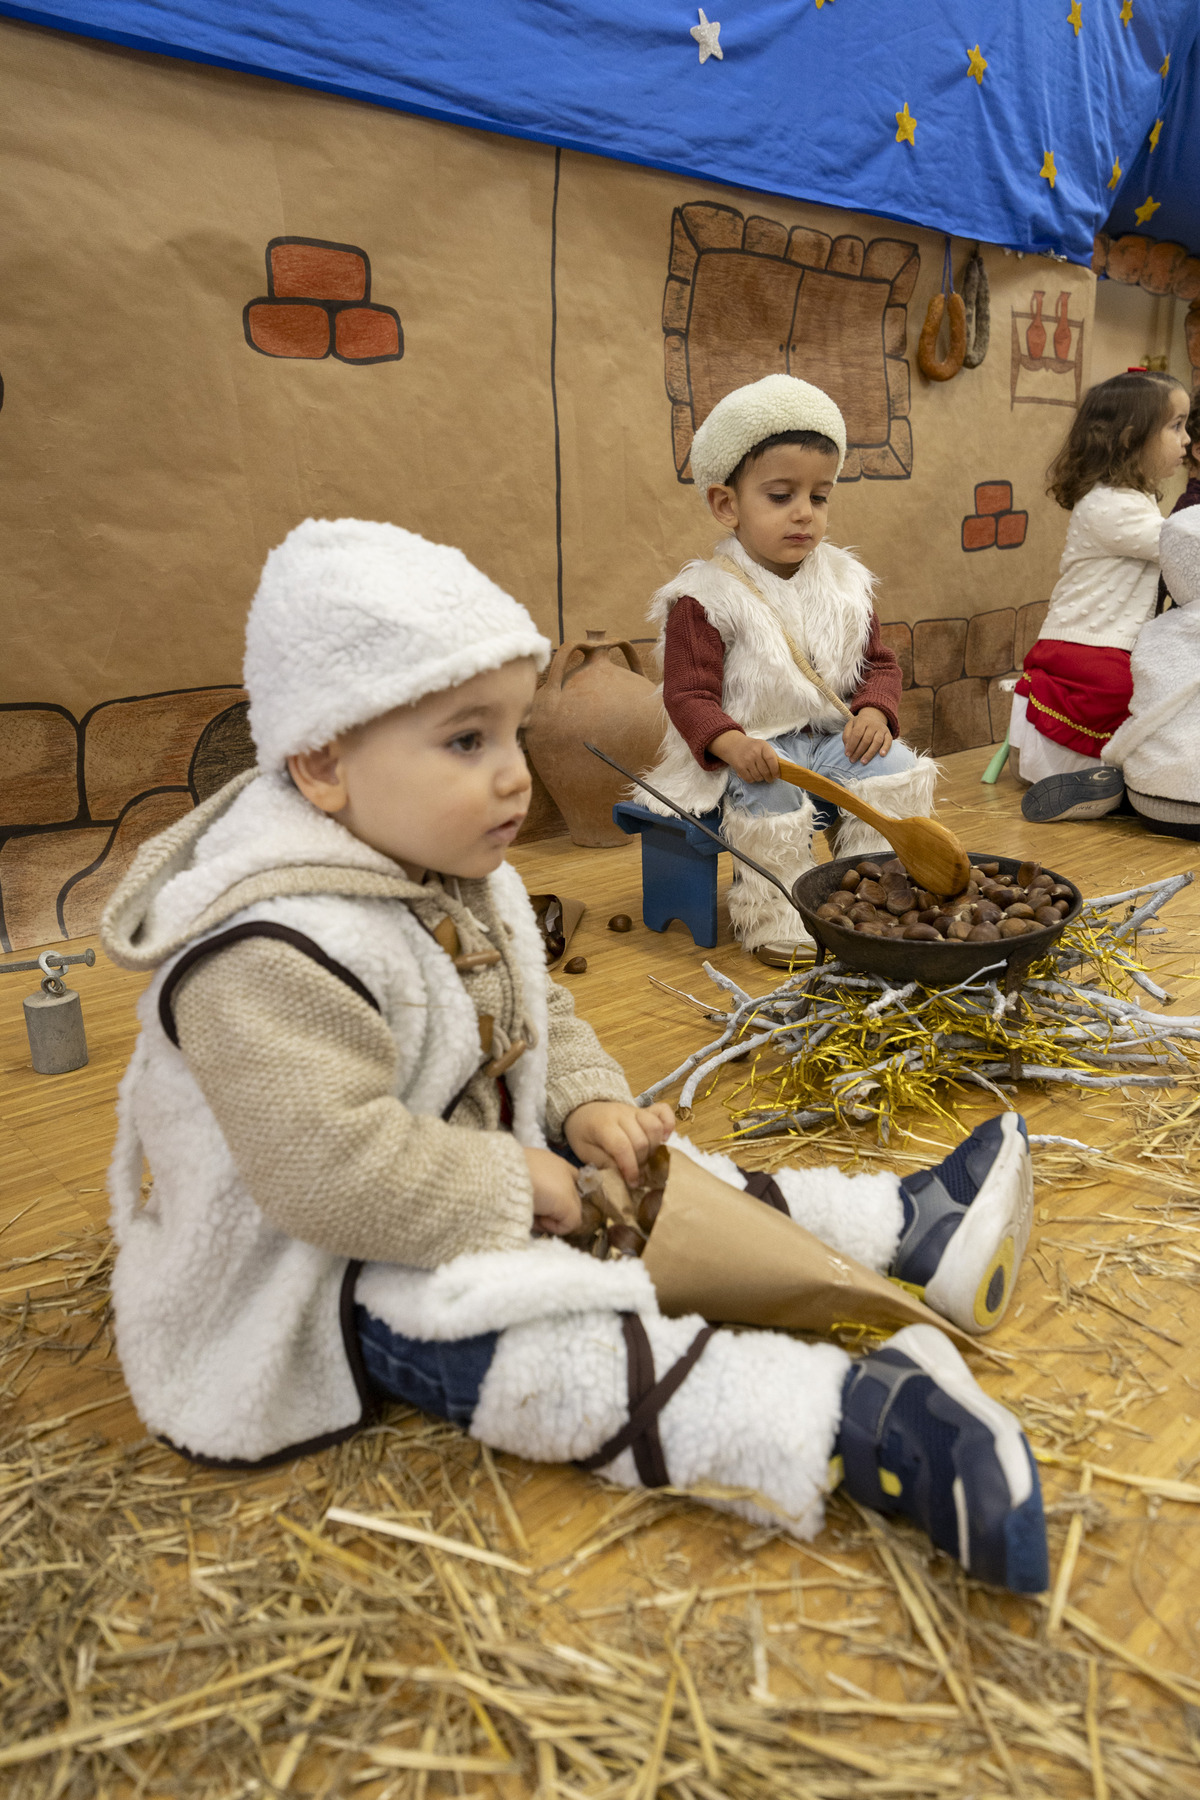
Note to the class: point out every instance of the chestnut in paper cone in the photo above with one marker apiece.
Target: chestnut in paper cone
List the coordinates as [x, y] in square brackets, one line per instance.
[721, 1253]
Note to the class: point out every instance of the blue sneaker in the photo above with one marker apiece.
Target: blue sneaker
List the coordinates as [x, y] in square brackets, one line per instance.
[1083, 794]
[920, 1437]
[966, 1225]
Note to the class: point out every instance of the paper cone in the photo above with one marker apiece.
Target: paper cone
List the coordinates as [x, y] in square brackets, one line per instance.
[719, 1252]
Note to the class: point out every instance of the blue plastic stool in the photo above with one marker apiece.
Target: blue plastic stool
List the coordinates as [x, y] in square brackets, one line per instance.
[679, 870]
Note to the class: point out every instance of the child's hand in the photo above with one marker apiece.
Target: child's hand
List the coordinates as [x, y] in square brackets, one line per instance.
[612, 1135]
[866, 735]
[751, 758]
[555, 1196]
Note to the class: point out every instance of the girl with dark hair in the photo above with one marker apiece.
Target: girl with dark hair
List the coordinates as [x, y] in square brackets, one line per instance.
[1128, 437]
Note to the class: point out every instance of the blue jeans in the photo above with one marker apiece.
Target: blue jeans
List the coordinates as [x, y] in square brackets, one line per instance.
[439, 1378]
[819, 750]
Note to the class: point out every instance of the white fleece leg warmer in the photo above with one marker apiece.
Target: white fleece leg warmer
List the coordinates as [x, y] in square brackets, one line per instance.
[781, 842]
[907, 794]
[859, 1215]
[757, 1411]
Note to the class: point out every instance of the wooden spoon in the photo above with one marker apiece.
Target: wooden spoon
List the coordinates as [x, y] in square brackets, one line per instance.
[932, 855]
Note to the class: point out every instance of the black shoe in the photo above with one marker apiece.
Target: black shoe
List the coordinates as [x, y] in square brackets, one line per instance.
[920, 1437]
[966, 1224]
[1085, 794]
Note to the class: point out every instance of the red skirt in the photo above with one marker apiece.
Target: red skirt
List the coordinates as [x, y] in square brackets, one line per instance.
[1076, 694]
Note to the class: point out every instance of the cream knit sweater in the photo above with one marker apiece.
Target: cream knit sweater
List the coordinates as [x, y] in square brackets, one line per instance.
[1108, 576]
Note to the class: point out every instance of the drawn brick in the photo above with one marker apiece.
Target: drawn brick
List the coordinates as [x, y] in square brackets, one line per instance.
[224, 749]
[895, 331]
[292, 328]
[846, 256]
[886, 258]
[898, 638]
[1100, 249]
[681, 438]
[978, 533]
[316, 271]
[993, 496]
[132, 745]
[990, 642]
[683, 251]
[677, 300]
[916, 717]
[33, 867]
[367, 334]
[1127, 258]
[1158, 271]
[809, 247]
[1191, 333]
[39, 783]
[765, 237]
[713, 227]
[1000, 704]
[960, 716]
[852, 467]
[1029, 623]
[83, 898]
[1010, 530]
[899, 387]
[675, 359]
[938, 649]
[1185, 283]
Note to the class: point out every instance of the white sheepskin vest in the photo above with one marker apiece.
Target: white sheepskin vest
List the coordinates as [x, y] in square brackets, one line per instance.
[232, 1335]
[825, 609]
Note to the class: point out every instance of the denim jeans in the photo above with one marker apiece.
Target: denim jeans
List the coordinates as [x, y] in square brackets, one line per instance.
[819, 750]
[439, 1378]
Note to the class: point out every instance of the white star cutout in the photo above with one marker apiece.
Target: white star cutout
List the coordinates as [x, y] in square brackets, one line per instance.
[706, 36]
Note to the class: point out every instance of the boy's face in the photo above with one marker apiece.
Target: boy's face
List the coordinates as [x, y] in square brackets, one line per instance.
[779, 508]
[440, 785]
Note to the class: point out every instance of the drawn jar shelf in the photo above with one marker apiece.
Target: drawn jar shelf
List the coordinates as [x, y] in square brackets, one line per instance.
[1039, 379]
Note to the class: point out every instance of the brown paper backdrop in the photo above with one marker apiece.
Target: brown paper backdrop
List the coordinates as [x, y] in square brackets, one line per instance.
[150, 456]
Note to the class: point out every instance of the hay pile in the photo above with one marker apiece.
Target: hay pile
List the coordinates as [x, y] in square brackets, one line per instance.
[829, 1046]
[377, 1621]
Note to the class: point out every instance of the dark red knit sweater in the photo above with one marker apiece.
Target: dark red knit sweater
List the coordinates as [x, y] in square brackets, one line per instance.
[694, 677]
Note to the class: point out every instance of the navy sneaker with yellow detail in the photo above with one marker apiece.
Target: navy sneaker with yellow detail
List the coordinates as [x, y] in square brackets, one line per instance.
[966, 1225]
[920, 1437]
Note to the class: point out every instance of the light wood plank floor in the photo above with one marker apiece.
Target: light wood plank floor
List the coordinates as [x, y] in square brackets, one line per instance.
[1127, 1395]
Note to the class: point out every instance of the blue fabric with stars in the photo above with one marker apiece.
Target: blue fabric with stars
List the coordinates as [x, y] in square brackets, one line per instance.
[802, 101]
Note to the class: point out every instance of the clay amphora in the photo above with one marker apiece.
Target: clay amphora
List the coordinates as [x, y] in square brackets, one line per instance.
[587, 697]
[1035, 336]
[1062, 331]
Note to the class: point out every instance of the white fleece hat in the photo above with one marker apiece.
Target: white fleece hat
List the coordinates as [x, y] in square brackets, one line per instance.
[352, 619]
[750, 414]
[1179, 556]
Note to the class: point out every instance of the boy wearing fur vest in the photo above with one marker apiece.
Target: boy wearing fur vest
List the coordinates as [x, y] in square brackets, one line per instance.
[357, 1091]
[772, 648]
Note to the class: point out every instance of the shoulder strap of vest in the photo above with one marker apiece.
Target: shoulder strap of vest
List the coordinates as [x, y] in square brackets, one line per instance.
[251, 928]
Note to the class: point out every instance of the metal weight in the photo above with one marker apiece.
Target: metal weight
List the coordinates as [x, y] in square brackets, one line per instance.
[53, 1015]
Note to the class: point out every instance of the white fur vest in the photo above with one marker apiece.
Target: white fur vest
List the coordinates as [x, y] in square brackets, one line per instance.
[238, 1342]
[825, 609]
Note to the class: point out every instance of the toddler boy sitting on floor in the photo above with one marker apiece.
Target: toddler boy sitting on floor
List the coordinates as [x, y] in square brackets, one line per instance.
[772, 648]
[352, 1066]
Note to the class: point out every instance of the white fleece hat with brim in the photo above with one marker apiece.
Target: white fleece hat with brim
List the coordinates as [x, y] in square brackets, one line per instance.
[754, 413]
[353, 618]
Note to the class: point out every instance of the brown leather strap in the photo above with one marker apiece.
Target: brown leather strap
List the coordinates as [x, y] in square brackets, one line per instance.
[761, 1186]
[647, 1398]
[236, 934]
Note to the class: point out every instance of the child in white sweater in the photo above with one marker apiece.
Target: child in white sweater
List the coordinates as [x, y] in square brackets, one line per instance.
[358, 1091]
[1128, 437]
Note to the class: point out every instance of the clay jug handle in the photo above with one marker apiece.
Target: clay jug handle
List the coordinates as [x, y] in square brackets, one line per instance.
[589, 645]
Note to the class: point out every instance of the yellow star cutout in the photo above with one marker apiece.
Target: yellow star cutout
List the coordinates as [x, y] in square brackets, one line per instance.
[1048, 169]
[1158, 125]
[1127, 13]
[977, 64]
[1075, 17]
[1166, 66]
[1117, 173]
[1146, 210]
[906, 127]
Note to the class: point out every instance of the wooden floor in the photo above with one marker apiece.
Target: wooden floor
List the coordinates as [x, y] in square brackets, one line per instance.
[1118, 1388]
